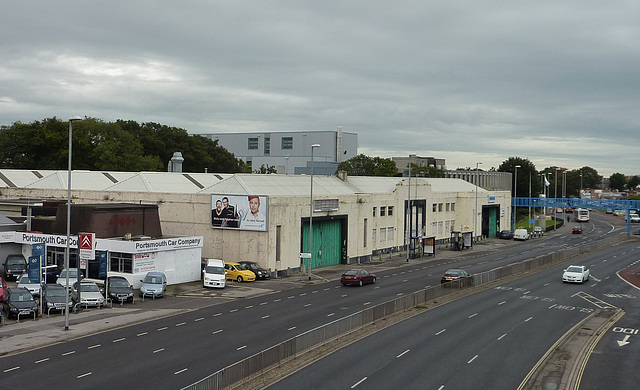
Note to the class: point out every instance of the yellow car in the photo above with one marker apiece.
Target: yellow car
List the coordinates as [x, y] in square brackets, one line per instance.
[235, 271]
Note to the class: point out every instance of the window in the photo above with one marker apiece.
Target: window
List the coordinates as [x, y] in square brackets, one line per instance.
[287, 142]
[121, 262]
[390, 210]
[383, 234]
[365, 232]
[383, 211]
[434, 228]
[439, 207]
[440, 228]
[453, 207]
[447, 207]
[253, 144]
[373, 236]
[278, 241]
[374, 212]
[390, 233]
[435, 207]
[267, 145]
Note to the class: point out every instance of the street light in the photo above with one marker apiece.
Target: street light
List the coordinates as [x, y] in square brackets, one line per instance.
[66, 253]
[311, 211]
[515, 195]
[475, 215]
[555, 200]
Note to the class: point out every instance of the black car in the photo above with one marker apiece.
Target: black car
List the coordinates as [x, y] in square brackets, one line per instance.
[14, 266]
[54, 297]
[457, 278]
[51, 274]
[254, 267]
[20, 303]
[506, 234]
[119, 289]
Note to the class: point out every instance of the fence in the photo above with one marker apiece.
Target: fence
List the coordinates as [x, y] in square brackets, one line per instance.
[281, 353]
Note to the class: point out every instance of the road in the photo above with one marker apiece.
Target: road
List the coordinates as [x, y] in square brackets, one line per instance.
[494, 338]
[179, 350]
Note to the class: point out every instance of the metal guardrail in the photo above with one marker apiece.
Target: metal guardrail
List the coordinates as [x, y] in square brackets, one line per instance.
[279, 354]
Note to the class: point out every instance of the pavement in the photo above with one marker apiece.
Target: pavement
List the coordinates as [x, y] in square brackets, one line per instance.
[30, 334]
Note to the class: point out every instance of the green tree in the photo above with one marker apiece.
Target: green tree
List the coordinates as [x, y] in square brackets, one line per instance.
[527, 176]
[418, 171]
[265, 169]
[362, 165]
[633, 182]
[617, 181]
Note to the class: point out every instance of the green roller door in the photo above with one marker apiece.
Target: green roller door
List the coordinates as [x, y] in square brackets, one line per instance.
[493, 222]
[327, 239]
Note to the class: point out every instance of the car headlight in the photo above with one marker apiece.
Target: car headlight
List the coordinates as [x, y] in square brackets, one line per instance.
[50, 304]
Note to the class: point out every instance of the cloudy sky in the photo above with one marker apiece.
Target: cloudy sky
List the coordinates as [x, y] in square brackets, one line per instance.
[557, 82]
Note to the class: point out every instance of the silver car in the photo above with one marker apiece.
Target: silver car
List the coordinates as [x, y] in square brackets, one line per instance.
[90, 294]
[153, 284]
[24, 281]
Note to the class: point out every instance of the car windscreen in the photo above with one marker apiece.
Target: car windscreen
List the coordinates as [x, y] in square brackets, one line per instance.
[118, 283]
[574, 269]
[212, 269]
[152, 279]
[21, 297]
[90, 287]
[56, 292]
[16, 261]
[351, 272]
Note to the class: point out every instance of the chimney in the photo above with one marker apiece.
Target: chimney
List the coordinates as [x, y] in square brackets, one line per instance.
[175, 165]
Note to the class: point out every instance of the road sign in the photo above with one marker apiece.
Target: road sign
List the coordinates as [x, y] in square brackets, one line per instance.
[85, 245]
[304, 255]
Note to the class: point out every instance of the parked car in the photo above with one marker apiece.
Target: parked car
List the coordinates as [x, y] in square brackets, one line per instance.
[254, 267]
[576, 274]
[73, 277]
[90, 294]
[213, 274]
[3, 289]
[51, 274]
[14, 266]
[506, 234]
[456, 277]
[576, 230]
[154, 284]
[24, 281]
[521, 234]
[235, 271]
[119, 289]
[54, 297]
[20, 302]
[357, 277]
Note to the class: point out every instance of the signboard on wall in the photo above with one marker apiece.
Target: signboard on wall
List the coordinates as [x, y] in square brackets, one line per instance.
[242, 212]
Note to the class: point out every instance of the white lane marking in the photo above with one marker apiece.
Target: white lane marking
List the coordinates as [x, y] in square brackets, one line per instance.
[502, 303]
[217, 314]
[94, 346]
[118, 340]
[217, 331]
[330, 314]
[358, 382]
[142, 334]
[439, 333]
[198, 319]
[528, 319]
[180, 372]
[239, 348]
[307, 305]
[472, 359]
[503, 336]
[161, 329]
[407, 351]
[473, 315]
[264, 303]
[83, 375]
[12, 369]
[366, 303]
[41, 360]
[292, 328]
[265, 317]
[181, 323]
[158, 350]
[248, 307]
[68, 353]
[233, 310]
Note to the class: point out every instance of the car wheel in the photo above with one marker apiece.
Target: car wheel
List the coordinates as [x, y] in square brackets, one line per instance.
[360, 283]
[374, 280]
[239, 279]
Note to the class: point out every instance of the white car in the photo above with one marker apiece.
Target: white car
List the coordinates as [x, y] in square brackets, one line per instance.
[633, 218]
[576, 274]
[521, 234]
[24, 281]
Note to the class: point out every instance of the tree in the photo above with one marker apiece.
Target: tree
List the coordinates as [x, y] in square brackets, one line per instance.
[264, 169]
[418, 171]
[527, 176]
[633, 182]
[362, 165]
[617, 181]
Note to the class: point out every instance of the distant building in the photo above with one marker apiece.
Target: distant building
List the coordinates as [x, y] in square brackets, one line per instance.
[290, 151]
[403, 162]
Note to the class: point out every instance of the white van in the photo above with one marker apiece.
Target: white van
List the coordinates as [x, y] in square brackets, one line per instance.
[213, 274]
[521, 234]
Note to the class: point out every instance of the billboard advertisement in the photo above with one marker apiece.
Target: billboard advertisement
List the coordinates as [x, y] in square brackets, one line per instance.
[243, 212]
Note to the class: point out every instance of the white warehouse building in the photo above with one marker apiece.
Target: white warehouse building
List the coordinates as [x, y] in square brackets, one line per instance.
[354, 218]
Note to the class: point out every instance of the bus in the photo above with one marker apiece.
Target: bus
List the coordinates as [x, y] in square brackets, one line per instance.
[582, 215]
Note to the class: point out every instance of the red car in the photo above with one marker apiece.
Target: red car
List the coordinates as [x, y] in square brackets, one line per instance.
[357, 277]
[3, 290]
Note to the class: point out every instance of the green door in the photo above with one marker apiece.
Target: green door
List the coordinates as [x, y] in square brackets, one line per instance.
[327, 243]
[493, 222]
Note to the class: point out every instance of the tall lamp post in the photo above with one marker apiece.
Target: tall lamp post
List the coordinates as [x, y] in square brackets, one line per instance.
[515, 195]
[475, 215]
[409, 212]
[311, 211]
[555, 196]
[66, 253]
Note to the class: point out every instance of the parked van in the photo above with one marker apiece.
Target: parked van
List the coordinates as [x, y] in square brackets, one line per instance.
[521, 234]
[213, 274]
